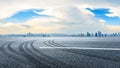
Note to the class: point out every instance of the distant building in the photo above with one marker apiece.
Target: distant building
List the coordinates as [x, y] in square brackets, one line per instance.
[99, 34]
[88, 34]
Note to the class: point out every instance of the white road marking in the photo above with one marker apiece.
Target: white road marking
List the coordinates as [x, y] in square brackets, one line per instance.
[84, 48]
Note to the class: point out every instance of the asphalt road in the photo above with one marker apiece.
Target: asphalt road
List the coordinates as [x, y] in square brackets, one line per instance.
[58, 53]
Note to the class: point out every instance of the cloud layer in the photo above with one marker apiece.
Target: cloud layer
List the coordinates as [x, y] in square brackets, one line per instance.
[66, 16]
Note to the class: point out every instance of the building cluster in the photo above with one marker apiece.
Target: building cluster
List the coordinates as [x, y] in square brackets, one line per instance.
[87, 34]
[26, 35]
[97, 34]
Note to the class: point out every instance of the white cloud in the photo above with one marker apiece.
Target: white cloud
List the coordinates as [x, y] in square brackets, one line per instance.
[113, 28]
[114, 12]
[35, 25]
[67, 15]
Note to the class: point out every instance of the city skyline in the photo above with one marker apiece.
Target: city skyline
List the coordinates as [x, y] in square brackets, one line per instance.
[59, 16]
[87, 34]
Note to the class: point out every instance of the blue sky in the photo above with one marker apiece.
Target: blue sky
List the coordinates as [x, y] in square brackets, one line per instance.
[100, 14]
[59, 16]
[24, 15]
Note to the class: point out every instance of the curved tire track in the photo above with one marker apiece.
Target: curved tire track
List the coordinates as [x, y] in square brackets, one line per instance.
[38, 58]
[30, 56]
[5, 53]
[53, 61]
[27, 51]
[51, 43]
[13, 55]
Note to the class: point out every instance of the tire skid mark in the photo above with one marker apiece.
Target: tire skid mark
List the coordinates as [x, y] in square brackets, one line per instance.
[26, 53]
[54, 43]
[2, 43]
[36, 56]
[12, 53]
[53, 61]
[92, 54]
[16, 55]
[39, 57]
[1, 47]
[83, 52]
[51, 43]
[13, 50]
[8, 55]
[47, 44]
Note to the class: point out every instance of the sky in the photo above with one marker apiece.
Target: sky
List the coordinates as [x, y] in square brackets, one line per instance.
[59, 16]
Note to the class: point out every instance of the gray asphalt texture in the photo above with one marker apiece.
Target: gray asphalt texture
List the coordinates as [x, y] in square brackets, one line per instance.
[26, 52]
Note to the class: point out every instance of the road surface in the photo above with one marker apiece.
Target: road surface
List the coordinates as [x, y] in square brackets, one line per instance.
[59, 53]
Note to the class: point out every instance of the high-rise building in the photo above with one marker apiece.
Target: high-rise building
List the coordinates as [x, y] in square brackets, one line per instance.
[88, 34]
[99, 34]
